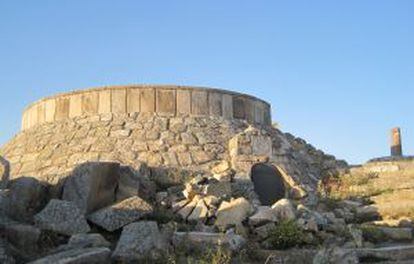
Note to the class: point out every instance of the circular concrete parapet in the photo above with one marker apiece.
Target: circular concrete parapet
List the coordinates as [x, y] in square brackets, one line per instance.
[160, 99]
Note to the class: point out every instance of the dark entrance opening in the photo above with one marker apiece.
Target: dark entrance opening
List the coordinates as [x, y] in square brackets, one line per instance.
[268, 183]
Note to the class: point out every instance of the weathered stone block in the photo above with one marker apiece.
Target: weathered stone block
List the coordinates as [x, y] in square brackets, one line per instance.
[62, 217]
[118, 101]
[166, 101]
[93, 255]
[199, 102]
[183, 102]
[91, 186]
[147, 97]
[116, 216]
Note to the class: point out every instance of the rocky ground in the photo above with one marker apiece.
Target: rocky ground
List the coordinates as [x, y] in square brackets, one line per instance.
[108, 213]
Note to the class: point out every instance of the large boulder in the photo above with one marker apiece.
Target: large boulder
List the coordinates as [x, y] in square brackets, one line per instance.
[27, 196]
[5, 255]
[23, 237]
[92, 185]
[139, 241]
[116, 216]
[263, 215]
[96, 255]
[336, 255]
[233, 213]
[62, 217]
[134, 182]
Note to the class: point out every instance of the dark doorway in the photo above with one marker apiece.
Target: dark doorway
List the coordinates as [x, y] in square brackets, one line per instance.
[268, 183]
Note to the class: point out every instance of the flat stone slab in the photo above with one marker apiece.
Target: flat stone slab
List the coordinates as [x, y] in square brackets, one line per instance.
[118, 215]
[388, 253]
[62, 217]
[77, 256]
[139, 241]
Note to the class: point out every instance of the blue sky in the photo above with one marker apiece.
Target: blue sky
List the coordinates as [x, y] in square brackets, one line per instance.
[339, 74]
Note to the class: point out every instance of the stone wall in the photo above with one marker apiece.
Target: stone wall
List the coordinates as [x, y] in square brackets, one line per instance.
[161, 99]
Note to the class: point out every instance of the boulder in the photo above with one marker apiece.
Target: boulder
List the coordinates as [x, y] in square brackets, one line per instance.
[185, 211]
[92, 185]
[207, 240]
[218, 189]
[96, 255]
[367, 213]
[262, 232]
[336, 255]
[139, 241]
[118, 215]
[380, 233]
[232, 213]
[263, 215]
[62, 217]
[5, 255]
[134, 182]
[23, 237]
[392, 253]
[285, 210]
[28, 196]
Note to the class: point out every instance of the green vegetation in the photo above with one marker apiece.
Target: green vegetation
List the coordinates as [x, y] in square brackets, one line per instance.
[285, 235]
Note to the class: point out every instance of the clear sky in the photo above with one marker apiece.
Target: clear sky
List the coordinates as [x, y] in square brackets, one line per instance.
[339, 74]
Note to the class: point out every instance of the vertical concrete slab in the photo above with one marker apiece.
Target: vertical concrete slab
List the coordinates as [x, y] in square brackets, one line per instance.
[75, 107]
[227, 106]
[118, 101]
[90, 103]
[147, 98]
[249, 109]
[50, 110]
[215, 104]
[183, 102]
[199, 102]
[165, 101]
[267, 115]
[62, 108]
[259, 112]
[133, 101]
[41, 113]
[239, 107]
[104, 105]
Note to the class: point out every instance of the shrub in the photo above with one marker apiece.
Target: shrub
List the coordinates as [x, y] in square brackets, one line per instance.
[285, 235]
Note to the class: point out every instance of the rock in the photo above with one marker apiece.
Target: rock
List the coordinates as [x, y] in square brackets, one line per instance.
[356, 234]
[88, 240]
[335, 255]
[77, 256]
[285, 210]
[23, 237]
[62, 217]
[393, 253]
[207, 240]
[161, 198]
[379, 233]
[367, 213]
[233, 212]
[263, 215]
[4, 201]
[221, 167]
[263, 231]
[5, 256]
[116, 216]
[189, 207]
[4, 173]
[177, 206]
[27, 197]
[92, 185]
[134, 182]
[218, 189]
[139, 241]
[200, 212]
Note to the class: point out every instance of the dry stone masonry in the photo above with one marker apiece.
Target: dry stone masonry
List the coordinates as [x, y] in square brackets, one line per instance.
[154, 168]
